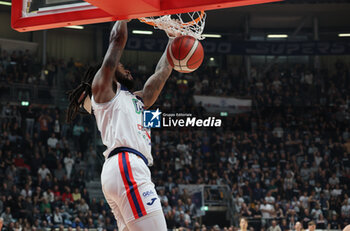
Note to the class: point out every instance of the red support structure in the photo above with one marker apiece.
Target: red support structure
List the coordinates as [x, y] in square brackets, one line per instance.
[111, 10]
[123, 9]
[24, 24]
[147, 8]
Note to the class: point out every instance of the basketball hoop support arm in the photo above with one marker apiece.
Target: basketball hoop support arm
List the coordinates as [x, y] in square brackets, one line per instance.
[112, 10]
[148, 8]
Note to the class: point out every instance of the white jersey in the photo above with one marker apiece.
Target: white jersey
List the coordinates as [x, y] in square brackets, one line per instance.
[121, 124]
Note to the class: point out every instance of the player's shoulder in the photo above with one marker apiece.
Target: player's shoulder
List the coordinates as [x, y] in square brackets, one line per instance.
[129, 99]
[127, 92]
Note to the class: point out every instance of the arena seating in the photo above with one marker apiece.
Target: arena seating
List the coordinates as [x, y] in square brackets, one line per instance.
[287, 160]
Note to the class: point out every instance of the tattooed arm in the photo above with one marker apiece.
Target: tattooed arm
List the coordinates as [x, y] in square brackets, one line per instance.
[102, 89]
[156, 82]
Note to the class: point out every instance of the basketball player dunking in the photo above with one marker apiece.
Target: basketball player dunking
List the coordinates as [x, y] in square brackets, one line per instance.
[125, 178]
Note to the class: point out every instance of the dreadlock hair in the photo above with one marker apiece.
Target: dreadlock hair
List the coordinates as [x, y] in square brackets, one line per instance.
[76, 97]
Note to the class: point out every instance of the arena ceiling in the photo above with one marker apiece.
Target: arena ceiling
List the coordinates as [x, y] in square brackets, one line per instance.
[276, 16]
[281, 16]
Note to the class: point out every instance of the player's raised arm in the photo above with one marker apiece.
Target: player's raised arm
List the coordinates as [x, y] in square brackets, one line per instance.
[155, 83]
[102, 85]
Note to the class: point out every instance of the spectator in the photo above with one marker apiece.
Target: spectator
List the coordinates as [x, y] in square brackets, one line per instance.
[91, 162]
[7, 216]
[43, 171]
[77, 223]
[49, 195]
[274, 226]
[299, 226]
[44, 121]
[191, 208]
[83, 207]
[68, 162]
[181, 147]
[269, 198]
[238, 201]
[305, 172]
[334, 180]
[59, 172]
[85, 195]
[245, 211]
[90, 224]
[67, 195]
[337, 191]
[321, 222]
[334, 222]
[57, 217]
[52, 141]
[47, 217]
[284, 226]
[78, 129]
[162, 196]
[345, 209]
[306, 218]
[243, 224]
[311, 226]
[315, 212]
[267, 211]
[66, 212]
[26, 192]
[166, 207]
[279, 213]
[76, 195]
[257, 192]
[56, 191]
[45, 206]
[304, 200]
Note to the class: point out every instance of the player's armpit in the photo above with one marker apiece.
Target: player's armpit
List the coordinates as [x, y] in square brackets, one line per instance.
[102, 89]
[139, 94]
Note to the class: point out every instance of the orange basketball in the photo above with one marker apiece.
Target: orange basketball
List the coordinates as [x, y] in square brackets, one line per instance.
[185, 54]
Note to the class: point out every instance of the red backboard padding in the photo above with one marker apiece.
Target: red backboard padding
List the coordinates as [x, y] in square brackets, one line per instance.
[111, 10]
[145, 8]
[59, 20]
[124, 9]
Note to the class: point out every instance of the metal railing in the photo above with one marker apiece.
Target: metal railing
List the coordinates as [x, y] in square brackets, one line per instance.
[212, 198]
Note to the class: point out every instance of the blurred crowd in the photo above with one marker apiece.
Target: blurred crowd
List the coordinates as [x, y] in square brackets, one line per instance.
[19, 67]
[286, 161]
[23, 67]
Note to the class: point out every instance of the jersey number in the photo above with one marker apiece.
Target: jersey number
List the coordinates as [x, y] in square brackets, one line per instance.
[138, 107]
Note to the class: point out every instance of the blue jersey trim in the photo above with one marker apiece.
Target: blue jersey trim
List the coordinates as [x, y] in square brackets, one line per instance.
[126, 149]
[139, 98]
[123, 88]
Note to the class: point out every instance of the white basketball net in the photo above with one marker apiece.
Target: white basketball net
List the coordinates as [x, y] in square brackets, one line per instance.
[179, 24]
